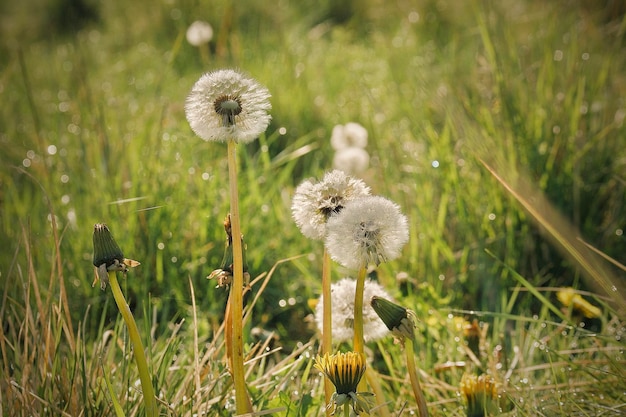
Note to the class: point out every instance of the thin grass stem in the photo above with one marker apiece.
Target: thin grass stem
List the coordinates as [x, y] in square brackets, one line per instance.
[149, 398]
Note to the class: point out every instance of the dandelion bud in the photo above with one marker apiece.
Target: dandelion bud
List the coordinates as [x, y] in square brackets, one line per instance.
[399, 320]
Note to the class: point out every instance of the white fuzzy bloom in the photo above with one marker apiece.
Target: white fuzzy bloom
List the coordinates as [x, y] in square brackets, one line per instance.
[351, 160]
[368, 230]
[342, 301]
[225, 105]
[350, 135]
[314, 203]
[199, 33]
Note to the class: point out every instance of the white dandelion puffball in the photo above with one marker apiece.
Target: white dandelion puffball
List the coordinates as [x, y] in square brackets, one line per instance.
[199, 33]
[342, 302]
[350, 135]
[226, 105]
[351, 160]
[368, 230]
[314, 203]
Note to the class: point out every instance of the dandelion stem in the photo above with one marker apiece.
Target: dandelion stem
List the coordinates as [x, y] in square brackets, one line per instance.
[327, 338]
[415, 383]
[242, 401]
[140, 358]
[358, 317]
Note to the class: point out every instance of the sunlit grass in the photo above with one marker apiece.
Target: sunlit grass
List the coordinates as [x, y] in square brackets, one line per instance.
[92, 129]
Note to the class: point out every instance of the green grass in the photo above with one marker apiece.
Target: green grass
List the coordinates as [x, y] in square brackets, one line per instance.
[446, 90]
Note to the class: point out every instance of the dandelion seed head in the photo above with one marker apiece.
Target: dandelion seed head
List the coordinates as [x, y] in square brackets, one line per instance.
[351, 160]
[348, 136]
[369, 230]
[199, 33]
[314, 203]
[342, 301]
[225, 105]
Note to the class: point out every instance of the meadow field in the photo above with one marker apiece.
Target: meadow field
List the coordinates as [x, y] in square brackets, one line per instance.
[497, 127]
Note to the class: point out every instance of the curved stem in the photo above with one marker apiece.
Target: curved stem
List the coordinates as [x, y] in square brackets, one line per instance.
[358, 318]
[242, 401]
[327, 325]
[374, 380]
[149, 398]
[415, 383]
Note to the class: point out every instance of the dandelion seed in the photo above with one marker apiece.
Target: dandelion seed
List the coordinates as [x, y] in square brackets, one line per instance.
[348, 136]
[345, 371]
[225, 105]
[368, 230]
[342, 300]
[199, 33]
[314, 203]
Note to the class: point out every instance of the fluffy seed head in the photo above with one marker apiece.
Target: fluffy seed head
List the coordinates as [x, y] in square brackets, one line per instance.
[226, 105]
[368, 230]
[342, 301]
[314, 203]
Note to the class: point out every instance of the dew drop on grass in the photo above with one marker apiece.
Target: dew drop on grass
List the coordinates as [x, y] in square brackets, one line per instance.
[26, 162]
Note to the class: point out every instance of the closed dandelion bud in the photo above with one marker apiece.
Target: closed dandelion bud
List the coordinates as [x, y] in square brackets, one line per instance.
[105, 249]
[107, 255]
[400, 320]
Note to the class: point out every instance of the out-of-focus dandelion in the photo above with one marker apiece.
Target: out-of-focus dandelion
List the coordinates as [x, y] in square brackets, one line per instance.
[226, 105]
[108, 259]
[345, 371]
[314, 203]
[353, 161]
[199, 33]
[342, 299]
[350, 135]
[570, 298]
[480, 393]
[401, 321]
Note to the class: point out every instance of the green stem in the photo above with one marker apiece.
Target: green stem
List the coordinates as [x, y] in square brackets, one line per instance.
[242, 401]
[415, 383]
[327, 337]
[346, 409]
[358, 318]
[149, 398]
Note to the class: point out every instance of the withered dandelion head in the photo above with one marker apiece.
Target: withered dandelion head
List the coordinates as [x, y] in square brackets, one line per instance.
[345, 371]
[315, 202]
[368, 230]
[226, 105]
